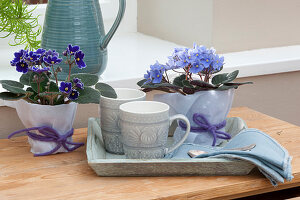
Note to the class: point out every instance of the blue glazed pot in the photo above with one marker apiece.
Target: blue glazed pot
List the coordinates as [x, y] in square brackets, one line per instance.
[79, 22]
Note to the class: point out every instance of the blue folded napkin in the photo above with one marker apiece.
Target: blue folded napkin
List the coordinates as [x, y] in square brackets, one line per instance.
[268, 155]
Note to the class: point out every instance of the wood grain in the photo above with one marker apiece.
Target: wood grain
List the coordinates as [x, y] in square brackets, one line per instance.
[68, 176]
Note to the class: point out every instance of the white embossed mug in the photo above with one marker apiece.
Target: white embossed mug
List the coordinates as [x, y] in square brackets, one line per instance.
[109, 117]
[144, 128]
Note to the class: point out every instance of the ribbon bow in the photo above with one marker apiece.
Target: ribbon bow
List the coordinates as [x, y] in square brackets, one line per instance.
[205, 126]
[49, 134]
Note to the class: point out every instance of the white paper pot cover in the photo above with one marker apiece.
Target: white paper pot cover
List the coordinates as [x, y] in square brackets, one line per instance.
[213, 104]
[60, 118]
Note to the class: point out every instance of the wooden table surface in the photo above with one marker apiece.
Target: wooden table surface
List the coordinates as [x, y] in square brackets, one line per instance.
[68, 176]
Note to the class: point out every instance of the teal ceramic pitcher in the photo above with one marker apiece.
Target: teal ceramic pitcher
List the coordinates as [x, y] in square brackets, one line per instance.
[79, 22]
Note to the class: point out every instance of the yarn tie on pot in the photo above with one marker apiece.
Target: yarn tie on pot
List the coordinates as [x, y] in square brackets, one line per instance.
[205, 126]
[48, 134]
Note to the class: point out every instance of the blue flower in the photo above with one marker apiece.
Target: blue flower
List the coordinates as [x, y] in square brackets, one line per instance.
[72, 49]
[206, 60]
[196, 67]
[19, 56]
[190, 57]
[148, 77]
[32, 57]
[158, 66]
[73, 95]
[78, 59]
[52, 60]
[182, 61]
[78, 83]
[156, 76]
[65, 87]
[218, 62]
[22, 66]
[39, 70]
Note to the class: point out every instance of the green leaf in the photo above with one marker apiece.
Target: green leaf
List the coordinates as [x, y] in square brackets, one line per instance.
[141, 82]
[159, 85]
[238, 84]
[186, 83]
[31, 97]
[49, 94]
[88, 95]
[106, 90]
[43, 83]
[12, 83]
[11, 96]
[86, 79]
[188, 90]
[224, 78]
[227, 87]
[13, 89]
[178, 80]
[202, 84]
[25, 78]
[53, 87]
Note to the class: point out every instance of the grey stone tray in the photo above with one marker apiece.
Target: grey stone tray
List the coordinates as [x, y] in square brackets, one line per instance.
[107, 164]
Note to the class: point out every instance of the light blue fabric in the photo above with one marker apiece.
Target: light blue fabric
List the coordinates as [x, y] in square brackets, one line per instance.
[268, 155]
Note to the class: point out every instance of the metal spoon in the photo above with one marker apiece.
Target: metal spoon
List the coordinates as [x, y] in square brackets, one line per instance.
[194, 153]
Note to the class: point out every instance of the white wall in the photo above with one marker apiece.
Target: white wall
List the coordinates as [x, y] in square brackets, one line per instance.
[228, 25]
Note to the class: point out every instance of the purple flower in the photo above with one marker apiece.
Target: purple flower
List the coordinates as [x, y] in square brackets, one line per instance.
[79, 59]
[51, 53]
[32, 57]
[22, 66]
[52, 60]
[72, 49]
[148, 77]
[19, 56]
[196, 67]
[39, 70]
[73, 95]
[65, 87]
[156, 76]
[65, 53]
[78, 83]
[218, 62]
[40, 52]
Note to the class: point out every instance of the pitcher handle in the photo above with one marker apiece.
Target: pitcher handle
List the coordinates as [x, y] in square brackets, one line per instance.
[106, 39]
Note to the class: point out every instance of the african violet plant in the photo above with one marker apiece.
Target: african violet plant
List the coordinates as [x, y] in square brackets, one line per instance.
[37, 68]
[196, 67]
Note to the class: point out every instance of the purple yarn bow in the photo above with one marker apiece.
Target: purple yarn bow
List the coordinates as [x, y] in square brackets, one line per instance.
[205, 126]
[49, 134]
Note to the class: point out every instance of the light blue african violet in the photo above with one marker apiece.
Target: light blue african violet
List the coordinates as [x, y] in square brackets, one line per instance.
[79, 22]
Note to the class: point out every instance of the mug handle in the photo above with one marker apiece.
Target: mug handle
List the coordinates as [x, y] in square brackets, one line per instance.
[188, 128]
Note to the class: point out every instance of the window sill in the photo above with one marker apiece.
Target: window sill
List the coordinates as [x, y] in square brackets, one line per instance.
[125, 69]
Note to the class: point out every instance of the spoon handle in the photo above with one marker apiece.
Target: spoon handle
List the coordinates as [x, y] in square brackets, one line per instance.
[194, 153]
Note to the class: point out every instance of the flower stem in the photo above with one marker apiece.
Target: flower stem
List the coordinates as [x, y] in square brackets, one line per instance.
[38, 83]
[70, 67]
[55, 75]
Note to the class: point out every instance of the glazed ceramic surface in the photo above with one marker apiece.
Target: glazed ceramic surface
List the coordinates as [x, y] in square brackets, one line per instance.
[109, 117]
[214, 105]
[60, 118]
[145, 126]
[79, 22]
